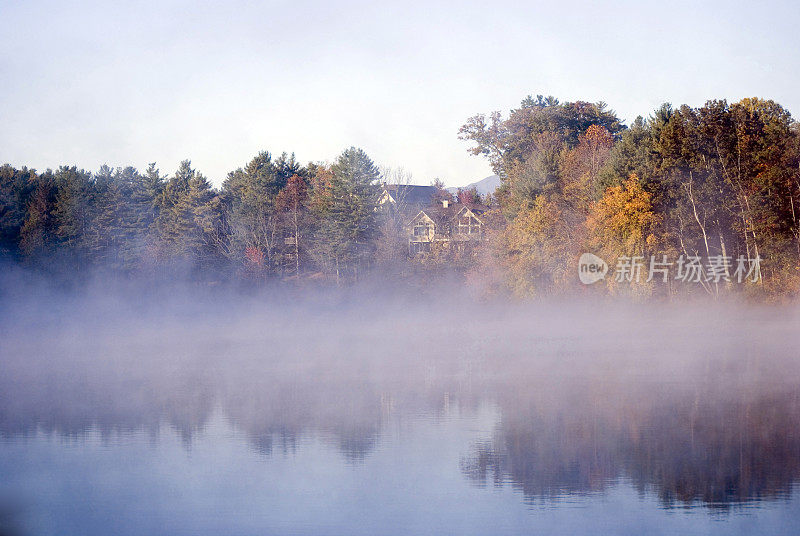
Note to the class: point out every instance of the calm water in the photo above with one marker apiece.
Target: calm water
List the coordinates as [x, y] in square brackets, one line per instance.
[453, 422]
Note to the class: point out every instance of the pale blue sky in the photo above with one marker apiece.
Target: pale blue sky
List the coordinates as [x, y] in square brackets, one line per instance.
[124, 83]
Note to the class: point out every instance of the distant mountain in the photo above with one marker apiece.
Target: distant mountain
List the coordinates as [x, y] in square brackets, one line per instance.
[484, 186]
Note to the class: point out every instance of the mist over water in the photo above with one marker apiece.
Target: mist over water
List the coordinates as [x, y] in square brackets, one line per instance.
[198, 411]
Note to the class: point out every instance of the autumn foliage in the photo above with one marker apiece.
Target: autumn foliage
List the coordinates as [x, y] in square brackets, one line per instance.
[717, 181]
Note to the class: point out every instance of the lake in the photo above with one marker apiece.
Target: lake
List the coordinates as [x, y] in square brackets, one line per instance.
[399, 419]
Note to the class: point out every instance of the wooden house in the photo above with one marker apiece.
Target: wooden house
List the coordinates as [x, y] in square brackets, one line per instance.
[445, 222]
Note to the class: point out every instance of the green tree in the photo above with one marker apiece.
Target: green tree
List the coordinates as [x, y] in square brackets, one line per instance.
[16, 188]
[187, 218]
[250, 217]
[72, 212]
[347, 217]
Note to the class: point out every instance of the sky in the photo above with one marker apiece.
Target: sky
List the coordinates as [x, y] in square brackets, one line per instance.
[92, 83]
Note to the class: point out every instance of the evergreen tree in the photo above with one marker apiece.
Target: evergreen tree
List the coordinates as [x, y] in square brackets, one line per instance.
[187, 209]
[348, 221]
[16, 188]
[72, 212]
[249, 197]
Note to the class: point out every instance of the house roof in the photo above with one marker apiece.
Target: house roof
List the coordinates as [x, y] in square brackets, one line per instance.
[411, 194]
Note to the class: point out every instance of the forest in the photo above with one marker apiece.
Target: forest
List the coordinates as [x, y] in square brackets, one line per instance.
[720, 182]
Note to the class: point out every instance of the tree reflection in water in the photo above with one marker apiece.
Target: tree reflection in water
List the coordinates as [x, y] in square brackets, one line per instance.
[704, 417]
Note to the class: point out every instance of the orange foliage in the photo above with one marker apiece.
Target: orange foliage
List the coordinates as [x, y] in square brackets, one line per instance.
[623, 220]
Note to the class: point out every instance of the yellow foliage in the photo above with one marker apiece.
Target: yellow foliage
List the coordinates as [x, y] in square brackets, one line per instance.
[623, 221]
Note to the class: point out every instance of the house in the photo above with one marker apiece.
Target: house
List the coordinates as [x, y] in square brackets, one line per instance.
[445, 222]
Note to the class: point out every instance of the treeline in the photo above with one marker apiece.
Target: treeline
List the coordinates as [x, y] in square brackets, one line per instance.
[717, 183]
[686, 186]
[272, 217]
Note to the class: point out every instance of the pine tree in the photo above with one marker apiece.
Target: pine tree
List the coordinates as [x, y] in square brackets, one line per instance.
[38, 232]
[249, 197]
[348, 221]
[73, 212]
[187, 207]
[16, 188]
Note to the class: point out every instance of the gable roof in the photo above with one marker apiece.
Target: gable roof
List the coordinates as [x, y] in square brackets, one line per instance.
[475, 210]
[410, 194]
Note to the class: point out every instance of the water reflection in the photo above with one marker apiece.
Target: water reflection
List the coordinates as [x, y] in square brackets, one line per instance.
[716, 423]
[687, 445]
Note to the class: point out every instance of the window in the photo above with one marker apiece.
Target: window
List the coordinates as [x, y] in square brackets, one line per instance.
[423, 230]
[417, 248]
[468, 225]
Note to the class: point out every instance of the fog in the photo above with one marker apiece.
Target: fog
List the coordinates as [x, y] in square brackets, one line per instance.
[583, 390]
